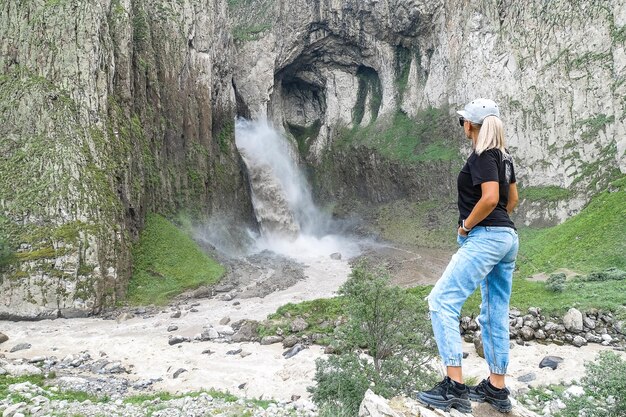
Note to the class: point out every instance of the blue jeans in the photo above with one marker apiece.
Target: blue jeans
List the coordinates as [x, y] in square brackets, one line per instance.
[486, 258]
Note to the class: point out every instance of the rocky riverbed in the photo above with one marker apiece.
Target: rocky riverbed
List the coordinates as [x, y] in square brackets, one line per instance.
[207, 340]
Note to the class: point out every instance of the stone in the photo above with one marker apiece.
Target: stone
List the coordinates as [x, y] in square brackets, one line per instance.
[209, 334]
[534, 311]
[244, 353]
[579, 341]
[299, 325]
[589, 323]
[290, 341]
[375, 406]
[574, 391]
[172, 328]
[225, 330]
[527, 333]
[12, 410]
[473, 325]
[335, 256]
[224, 321]
[540, 334]
[607, 338]
[573, 321]
[176, 314]
[592, 338]
[207, 352]
[551, 362]
[234, 352]
[478, 345]
[293, 351]
[270, 340]
[174, 340]
[20, 346]
[3, 338]
[526, 378]
[248, 331]
[178, 372]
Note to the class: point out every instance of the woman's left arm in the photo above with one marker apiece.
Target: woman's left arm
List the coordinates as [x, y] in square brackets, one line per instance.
[488, 201]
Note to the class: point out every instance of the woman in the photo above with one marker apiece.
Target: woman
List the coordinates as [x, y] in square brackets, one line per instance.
[488, 247]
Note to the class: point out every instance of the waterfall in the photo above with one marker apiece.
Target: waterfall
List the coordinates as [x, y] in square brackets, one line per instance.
[290, 222]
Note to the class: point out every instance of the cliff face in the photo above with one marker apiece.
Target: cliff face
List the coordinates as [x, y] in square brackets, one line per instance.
[557, 69]
[110, 109]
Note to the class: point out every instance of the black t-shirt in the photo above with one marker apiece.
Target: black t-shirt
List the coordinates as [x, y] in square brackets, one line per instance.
[491, 165]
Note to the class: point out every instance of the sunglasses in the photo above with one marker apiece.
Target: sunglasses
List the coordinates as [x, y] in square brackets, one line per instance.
[462, 121]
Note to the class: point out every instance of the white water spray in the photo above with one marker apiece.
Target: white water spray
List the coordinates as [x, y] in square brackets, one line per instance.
[290, 222]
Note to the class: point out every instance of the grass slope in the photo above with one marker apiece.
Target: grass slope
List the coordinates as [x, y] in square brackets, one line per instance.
[167, 262]
[594, 239]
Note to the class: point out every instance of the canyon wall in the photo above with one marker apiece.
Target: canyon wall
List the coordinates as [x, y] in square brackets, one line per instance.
[319, 69]
[110, 109]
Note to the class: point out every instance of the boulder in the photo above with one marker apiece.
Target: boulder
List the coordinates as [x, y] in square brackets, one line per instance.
[270, 340]
[290, 341]
[478, 345]
[376, 406]
[550, 362]
[573, 320]
[527, 333]
[3, 338]
[20, 346]
[248, 331]
[579, 341]
[298, 325]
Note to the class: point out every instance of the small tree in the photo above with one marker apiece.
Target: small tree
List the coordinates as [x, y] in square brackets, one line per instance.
[386, 342]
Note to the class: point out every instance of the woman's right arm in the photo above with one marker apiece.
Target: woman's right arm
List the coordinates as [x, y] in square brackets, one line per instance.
[513, 198]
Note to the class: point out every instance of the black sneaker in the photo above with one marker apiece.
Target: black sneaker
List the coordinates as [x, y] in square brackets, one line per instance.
[487, 393]
[446, 395]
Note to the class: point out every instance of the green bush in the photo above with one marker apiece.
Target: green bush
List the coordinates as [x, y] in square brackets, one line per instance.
[386, 342]
[605, 389]
[607, 275]
[556, 282]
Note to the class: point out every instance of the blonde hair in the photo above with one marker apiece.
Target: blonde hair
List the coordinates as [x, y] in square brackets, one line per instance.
[491, 135]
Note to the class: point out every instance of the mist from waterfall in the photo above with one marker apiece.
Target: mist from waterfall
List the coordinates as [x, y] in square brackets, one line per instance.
[290, 223]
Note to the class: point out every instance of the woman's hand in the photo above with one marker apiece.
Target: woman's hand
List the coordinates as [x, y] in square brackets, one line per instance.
[462, 232]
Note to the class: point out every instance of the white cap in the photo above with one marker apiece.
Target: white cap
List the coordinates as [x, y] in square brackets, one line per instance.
[478, 109]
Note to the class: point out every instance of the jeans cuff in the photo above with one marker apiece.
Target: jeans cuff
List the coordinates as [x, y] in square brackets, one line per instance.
[453, 361]
[500, 370]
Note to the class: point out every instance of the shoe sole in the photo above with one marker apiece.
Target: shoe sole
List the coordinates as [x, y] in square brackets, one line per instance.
[505, 408]
[456, 403]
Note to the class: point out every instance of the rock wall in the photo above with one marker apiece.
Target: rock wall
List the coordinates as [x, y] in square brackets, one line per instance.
[110, 109]
[558, 70]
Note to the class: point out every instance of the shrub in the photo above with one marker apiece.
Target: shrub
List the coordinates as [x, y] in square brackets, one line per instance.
[605, 389]
[386, 342]
[556, 282]
[608, 274]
